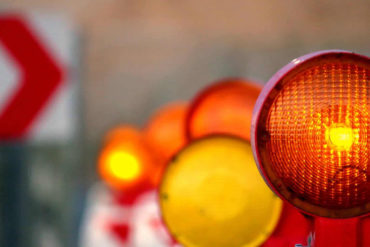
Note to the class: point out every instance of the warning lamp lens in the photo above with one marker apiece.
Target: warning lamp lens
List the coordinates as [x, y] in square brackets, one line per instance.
[312, 133]
[165, 131]
[223, 108]
[123, 165]
[212, 195]
[165, 135]
[125, 162]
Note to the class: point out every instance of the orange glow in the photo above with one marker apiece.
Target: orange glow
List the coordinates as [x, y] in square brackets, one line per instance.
[122, 132]
[165, 134]
[123, 165]
[125, 161]
[318, 140]
[165, 131]
[225, 108]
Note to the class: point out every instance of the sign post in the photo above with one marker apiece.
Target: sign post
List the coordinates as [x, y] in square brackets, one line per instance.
[13, 186]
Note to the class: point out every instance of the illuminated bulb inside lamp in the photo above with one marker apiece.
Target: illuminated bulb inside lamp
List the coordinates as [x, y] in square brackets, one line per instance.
[341, 137]
[123, 165]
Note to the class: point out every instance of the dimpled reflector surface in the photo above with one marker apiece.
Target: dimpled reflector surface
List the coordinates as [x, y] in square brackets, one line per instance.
[317, 135]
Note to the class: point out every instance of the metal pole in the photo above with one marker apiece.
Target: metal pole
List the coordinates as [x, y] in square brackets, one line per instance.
[13, 194]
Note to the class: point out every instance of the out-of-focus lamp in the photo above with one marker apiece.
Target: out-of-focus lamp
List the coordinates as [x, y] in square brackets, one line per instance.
[212, 195]
[164, 131]
[165, 134]
[224, 108]
[125, 162]
[311, 139]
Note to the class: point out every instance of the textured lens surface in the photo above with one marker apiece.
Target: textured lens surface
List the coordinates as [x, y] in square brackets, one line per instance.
[318, 133]
[213, 195]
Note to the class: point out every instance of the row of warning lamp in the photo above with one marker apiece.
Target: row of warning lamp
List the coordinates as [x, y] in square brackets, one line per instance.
[310, 136]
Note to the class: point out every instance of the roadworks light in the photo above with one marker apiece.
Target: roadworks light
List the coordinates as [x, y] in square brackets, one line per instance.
[165, 135]
[125, 162]
[212, 195]
[311, 134]
[223, 108]
[165, 132]
[123, 165]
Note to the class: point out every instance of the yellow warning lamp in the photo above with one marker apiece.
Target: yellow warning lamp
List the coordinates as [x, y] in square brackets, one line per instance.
[212, 195]
[311, 133]
[224, 108]
[125, 161]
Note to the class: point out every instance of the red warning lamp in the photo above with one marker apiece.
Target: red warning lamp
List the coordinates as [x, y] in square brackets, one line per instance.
[165, 130]
[125, 162]
[165, 135]
[223, 108]
[311, 139]
[293, 229]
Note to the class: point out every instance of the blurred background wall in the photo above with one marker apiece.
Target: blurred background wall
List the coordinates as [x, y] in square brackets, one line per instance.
[141, 54]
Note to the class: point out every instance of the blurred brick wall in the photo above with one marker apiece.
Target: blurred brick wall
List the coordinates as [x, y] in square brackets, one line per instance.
[141, 54]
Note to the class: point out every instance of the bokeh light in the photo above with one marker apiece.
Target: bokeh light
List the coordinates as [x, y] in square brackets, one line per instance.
[224, 108]
[165, 134]
[125, 162]
[165, 129]
[123, 165]
[122, 132]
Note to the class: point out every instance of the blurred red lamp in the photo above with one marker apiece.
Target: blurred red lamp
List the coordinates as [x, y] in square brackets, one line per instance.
[223, 108]
[165, 134]
[311, 140]
[164, 131]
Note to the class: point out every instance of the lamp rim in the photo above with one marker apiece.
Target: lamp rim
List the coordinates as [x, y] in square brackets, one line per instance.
[262, 105]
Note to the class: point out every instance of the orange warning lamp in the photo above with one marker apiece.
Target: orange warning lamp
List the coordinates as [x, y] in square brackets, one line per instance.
[125, 162]
[225, 108]
[122, 132]
[212, 195]
[311, 136]
[165, 131]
